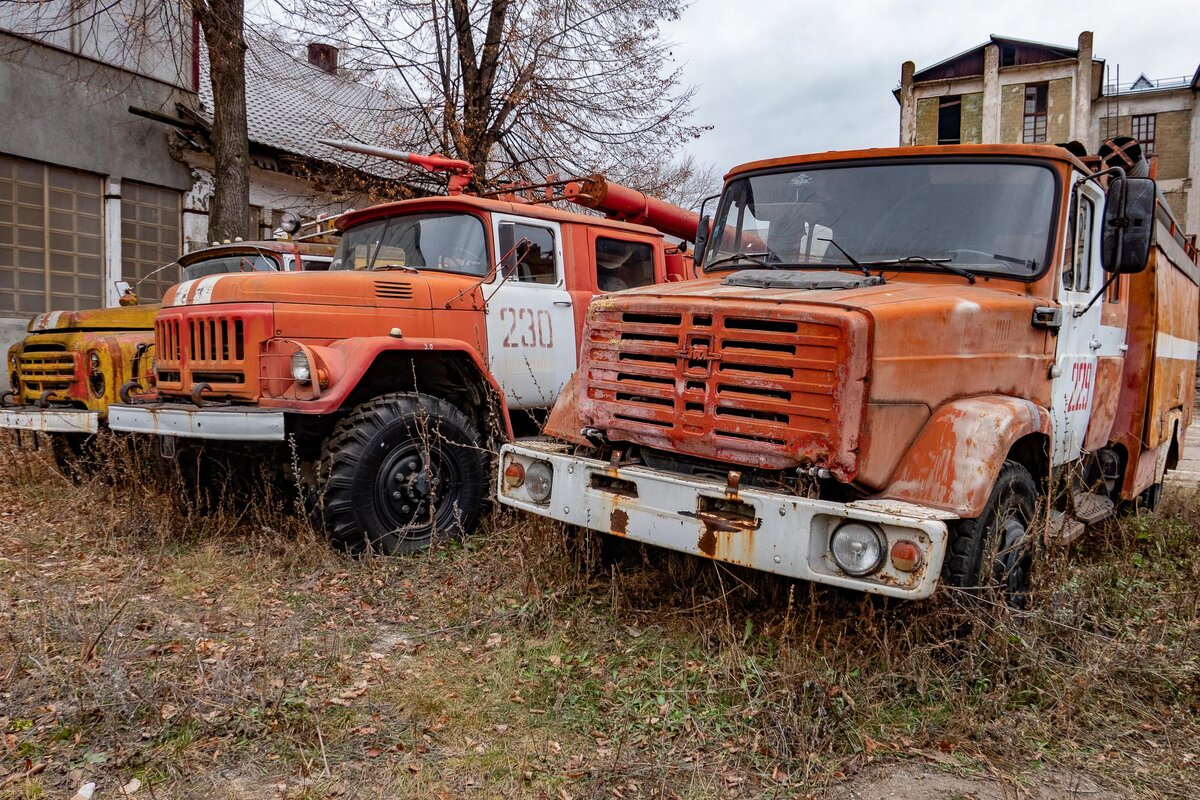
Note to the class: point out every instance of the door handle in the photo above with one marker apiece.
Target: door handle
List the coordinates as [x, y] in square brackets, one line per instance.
[1095, 344]
[566, 303]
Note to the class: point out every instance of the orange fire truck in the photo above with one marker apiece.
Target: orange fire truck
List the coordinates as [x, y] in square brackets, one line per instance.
[442, 323]
[896, 356]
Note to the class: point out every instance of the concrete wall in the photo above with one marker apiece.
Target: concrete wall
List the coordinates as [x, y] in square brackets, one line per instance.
[1060, 110]
[1012, 112]
[971, 128]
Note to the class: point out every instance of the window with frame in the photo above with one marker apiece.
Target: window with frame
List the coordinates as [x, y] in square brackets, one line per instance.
[51, 238]
[950, 120]
[151, 237]
[1079, 278]
[539, 264]
[623, 265]
[1035, 113]
[1143, 131]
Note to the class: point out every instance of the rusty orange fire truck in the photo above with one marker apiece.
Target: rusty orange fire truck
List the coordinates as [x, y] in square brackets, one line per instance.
[441, 325]
[896, 356]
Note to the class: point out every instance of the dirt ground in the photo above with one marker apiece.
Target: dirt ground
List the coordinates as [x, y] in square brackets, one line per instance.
[164, 652]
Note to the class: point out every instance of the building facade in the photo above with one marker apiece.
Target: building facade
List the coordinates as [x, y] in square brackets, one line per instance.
[105, 173]
[1010, 91]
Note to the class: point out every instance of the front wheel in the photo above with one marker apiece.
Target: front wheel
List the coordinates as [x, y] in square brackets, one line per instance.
[400, 472]
[993, 553]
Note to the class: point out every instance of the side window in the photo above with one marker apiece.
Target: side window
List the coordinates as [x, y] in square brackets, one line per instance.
[539, 264]
[1084, 228]
[623, 265]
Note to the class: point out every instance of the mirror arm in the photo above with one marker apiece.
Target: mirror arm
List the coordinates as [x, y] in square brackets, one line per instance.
[1079, 312]
[1116, 172]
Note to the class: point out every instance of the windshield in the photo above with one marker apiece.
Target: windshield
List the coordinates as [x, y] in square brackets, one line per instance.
[992, 217]
[449, 242]
[223, 264]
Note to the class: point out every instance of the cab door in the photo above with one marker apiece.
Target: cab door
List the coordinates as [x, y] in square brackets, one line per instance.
[530, 323]
[1082, 339]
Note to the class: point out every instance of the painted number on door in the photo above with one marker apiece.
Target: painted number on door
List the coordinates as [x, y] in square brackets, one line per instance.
[1081, 386]
[527, 327]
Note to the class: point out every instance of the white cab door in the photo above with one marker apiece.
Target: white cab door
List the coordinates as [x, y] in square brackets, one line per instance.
[1082, 338]
[530, 322]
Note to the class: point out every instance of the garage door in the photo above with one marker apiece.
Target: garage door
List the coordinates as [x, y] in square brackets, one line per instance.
[51, 243]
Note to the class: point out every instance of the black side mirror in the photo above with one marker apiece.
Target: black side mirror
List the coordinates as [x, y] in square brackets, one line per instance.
[702, 230]
[1128, 225]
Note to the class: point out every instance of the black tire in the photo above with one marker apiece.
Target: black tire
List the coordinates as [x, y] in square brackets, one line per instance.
[999, 538]
[399, 473]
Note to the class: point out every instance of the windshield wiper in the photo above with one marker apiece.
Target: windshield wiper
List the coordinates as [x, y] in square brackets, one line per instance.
[943, 263]
[755, 257]
[853, 261]
[401, 267]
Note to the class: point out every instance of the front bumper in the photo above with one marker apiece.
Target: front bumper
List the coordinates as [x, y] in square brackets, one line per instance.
[769, 531]
[49, 420]
[229, 423]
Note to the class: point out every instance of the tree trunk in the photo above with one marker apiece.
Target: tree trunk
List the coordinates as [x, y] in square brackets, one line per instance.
[229, 209]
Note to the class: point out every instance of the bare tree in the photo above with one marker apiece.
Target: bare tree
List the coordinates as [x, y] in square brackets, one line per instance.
[520, 87]
[151, 36]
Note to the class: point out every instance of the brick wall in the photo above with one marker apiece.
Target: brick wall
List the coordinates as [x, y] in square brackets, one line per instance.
[971, 130]
[1058, 111]
[927, 120]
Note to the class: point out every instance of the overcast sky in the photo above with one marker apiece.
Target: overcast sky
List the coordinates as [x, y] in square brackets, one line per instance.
[779, 77]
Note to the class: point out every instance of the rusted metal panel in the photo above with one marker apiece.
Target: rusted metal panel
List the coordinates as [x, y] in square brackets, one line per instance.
[228, 423]
[49, 420]
[954, 461]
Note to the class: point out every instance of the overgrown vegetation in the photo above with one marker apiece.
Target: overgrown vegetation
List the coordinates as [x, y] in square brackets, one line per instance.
[232, 654]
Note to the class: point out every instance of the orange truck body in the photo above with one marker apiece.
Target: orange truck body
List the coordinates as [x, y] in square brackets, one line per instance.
[895, 403]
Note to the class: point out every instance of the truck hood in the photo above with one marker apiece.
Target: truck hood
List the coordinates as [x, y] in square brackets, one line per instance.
[121, 318]
[336, 288]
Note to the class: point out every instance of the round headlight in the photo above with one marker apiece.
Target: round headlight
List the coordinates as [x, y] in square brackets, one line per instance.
[539, 480]
[857, 548]
[514, 474]
[301, 371]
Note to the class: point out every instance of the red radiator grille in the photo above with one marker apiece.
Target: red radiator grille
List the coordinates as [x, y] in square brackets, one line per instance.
[731, 385]
[220, 349]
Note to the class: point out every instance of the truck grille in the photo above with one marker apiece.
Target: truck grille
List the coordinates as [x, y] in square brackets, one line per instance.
[210, 348]
[47, 369]
[731, 385]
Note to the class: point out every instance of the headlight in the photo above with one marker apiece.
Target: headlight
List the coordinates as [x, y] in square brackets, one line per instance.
[514, 474]
[857, 548]
[539, 480]
[301, 371]
[94, 360]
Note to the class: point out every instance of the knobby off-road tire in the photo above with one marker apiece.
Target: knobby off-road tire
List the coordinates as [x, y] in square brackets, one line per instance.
[992, 555]
[399, 473]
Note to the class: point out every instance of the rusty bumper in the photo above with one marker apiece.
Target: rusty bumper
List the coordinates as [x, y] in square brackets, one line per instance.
[49, 420]
[230, 423]
[769, 531]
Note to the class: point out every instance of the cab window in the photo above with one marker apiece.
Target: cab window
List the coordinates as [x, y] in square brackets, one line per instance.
[539, 263]
[1082, 260]
[623, 265]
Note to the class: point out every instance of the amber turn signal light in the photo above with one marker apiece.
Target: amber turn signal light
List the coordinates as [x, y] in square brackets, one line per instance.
[514, 474]
[906, 556]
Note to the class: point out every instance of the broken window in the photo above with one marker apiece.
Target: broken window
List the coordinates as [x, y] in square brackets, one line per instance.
[539, 264]
[1035, 113]
[949, 120]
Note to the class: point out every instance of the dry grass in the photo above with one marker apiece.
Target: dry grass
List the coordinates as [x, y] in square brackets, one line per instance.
[226, 652]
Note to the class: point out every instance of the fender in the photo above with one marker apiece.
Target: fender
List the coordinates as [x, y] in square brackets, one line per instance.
[346, 361]
[954, 461]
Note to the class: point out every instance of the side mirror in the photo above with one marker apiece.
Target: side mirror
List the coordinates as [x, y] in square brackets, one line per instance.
[702, 230]
[1128, 225]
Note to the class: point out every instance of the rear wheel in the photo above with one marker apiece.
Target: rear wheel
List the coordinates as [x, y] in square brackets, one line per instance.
[993, 553]
[401, 472]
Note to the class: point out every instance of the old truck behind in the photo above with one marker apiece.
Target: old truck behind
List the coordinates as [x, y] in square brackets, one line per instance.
[901, 361]
[443, 324]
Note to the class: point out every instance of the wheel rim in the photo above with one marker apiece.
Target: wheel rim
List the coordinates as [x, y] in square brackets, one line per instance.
[415, 489]
[1013, 556]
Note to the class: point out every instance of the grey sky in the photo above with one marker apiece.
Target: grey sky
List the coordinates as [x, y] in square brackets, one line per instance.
[776, 77]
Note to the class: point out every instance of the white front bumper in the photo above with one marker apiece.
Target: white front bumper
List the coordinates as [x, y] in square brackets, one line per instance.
[50, 420]
[229, 423]
[785, 534]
